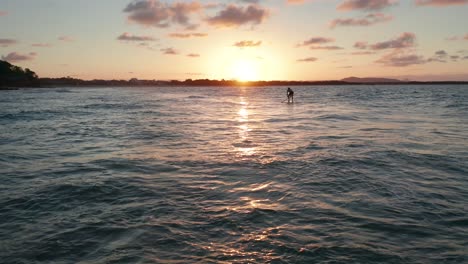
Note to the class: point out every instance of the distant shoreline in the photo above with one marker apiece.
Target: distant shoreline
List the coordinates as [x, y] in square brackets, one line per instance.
[70, 82]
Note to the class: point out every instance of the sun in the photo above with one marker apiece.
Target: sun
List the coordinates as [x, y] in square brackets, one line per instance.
[244, 70]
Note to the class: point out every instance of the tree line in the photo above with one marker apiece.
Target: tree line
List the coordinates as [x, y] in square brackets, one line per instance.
[15, 76]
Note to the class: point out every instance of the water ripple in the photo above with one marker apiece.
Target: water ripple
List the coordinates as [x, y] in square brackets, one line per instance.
[229, 175]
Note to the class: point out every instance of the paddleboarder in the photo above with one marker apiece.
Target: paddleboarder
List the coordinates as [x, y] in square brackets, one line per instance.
[290, 95]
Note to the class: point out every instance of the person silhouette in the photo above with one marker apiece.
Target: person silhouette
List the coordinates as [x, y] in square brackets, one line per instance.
[290, 95]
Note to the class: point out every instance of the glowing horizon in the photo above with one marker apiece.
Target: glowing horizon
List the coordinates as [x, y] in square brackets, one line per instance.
[242, 40]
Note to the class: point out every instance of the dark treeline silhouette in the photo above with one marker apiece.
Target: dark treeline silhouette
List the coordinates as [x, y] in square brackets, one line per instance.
[60, 82]
[12, 76]
[15, 76]
[68, 81]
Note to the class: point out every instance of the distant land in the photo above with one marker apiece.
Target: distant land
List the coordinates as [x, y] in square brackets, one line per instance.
[370, 80]
[13, 77]
[61, 82]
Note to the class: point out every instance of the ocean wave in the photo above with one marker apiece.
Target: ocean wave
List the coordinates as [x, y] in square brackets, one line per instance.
[336, 117]
[181, 175]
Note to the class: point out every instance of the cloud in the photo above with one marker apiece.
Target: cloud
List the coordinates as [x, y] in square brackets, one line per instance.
[368, 20]
[454, 38]
[41, 45]
[170, 51]
[181, 12]
[441, 53]
[235, 16]
[315, 41]
[3, 13]
[439, 56]
[310, 59]
[128, 37]
[158, 14]
[250, 1]
[367, 5]
[193, 55]
[440, 3]
[187, 35]
[406, 40]
[443, 56]
[7, 42]
[247, 43]
[360, 45]
[295, 1]
[362, 53]
[211, 6]
[401, 59]
[66, 38]
[17, 57]
[325, 48]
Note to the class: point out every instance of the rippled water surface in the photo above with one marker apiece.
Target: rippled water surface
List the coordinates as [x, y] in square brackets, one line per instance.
[352, 174]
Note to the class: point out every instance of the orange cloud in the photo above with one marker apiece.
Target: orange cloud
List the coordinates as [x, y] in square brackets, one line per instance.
[187, 35]
[316, 40]
[401, 59]
[363, 53]
[17, 57]
[66, 38]
[453, 38]
[158, 14]
[310, 59]
[368, 20]
[406, 40]
[295, 1]
[365, 5]
[360, 45]
[7, 42]
[170, 51]
[128, 37]
[441, 2]
[41, 45]
[316, 43]
[439, 56]
[235, 16]
[247, 43]
[325, 48]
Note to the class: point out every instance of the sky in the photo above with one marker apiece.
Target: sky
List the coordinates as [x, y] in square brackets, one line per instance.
[424, 40]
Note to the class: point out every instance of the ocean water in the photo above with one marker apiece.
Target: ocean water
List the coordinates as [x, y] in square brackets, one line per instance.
[347, 174]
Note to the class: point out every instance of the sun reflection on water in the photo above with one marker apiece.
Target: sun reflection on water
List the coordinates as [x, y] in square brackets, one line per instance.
[245, 148]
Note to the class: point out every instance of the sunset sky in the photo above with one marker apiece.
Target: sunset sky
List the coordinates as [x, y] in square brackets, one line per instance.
[243, 39]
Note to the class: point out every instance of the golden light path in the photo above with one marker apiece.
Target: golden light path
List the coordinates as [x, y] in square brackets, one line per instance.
[243, 117]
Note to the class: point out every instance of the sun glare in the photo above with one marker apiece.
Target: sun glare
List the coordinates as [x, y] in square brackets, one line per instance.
[244, 70]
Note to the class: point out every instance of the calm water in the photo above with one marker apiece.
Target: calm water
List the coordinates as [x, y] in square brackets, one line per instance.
[364, 174]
